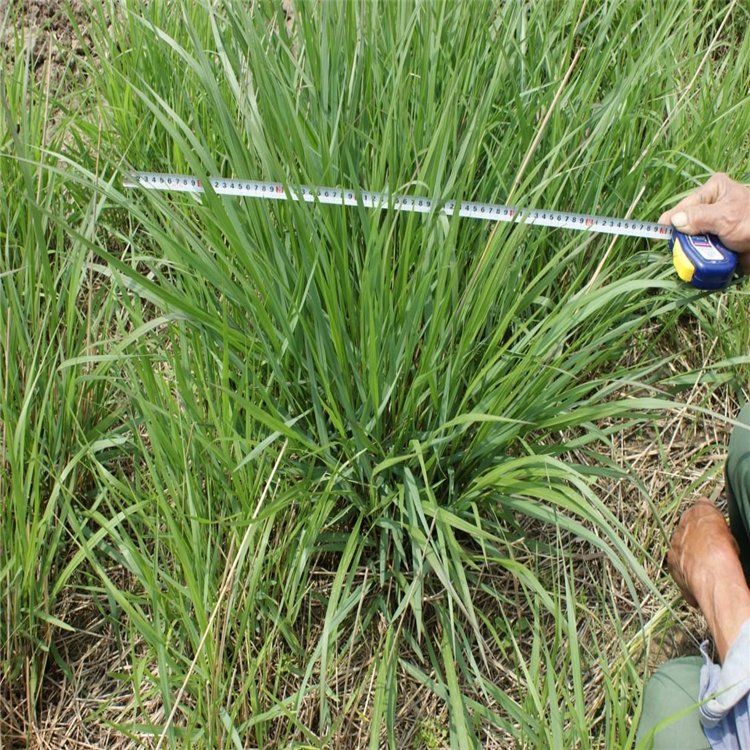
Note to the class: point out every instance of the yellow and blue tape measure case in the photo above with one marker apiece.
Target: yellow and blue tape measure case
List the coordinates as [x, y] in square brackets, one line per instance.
[702, 260]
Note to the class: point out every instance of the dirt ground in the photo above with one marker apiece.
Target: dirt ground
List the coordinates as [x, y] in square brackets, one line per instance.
[44, 21]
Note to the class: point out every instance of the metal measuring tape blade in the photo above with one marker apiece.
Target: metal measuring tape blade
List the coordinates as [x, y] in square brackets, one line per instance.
[702, 260]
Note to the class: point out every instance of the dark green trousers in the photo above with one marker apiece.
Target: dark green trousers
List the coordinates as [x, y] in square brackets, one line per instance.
[673, 689]
[738, 487]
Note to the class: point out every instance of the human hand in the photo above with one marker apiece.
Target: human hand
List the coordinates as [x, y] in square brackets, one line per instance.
[702, 549]
[720, 207]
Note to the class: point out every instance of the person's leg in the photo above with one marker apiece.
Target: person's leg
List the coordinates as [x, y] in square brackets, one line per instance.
[737, 483]
[672, 689]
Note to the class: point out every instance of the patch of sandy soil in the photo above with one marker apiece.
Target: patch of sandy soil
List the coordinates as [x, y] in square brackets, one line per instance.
[44, 30]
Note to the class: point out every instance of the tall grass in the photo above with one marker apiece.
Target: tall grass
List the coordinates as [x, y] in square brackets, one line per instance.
[54, 418]
[338, 455]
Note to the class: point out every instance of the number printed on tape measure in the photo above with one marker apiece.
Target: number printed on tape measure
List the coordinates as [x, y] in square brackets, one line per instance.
[415, 204]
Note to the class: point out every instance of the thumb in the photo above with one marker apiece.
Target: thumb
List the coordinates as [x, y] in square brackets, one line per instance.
[699, 219]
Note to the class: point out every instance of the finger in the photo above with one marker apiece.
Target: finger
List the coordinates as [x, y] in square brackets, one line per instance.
[700, 506]
[735, 544]
[674, 541]
[700, 219]
[676, 573]
[704, 501]
[674, 567]
[689, 598]
[709, 193]
[692, 200]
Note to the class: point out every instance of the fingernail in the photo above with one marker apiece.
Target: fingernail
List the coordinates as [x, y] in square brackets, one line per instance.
[680, 220]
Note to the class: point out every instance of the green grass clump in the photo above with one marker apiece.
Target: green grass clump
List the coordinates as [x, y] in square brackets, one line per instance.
[334, 453]
[55, 418]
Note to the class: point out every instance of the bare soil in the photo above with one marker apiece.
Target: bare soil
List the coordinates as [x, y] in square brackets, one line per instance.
[46, 28]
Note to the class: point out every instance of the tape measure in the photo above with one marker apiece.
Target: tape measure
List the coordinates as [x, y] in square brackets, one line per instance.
[702, 260]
